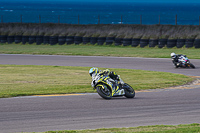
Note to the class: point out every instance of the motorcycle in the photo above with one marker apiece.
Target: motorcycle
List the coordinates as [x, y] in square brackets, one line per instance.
[185, 62]
[108, 88]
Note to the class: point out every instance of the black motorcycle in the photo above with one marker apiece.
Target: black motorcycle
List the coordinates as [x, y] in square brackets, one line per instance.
[108, 88]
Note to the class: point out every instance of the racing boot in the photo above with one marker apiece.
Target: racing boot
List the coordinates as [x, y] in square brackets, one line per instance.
[176, 65]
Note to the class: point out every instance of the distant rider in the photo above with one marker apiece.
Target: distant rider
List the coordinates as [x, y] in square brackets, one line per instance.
[175, 58]
[115, 78]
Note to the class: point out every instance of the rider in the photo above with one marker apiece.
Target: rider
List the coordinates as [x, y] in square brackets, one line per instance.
[175, 58]
[94, 72]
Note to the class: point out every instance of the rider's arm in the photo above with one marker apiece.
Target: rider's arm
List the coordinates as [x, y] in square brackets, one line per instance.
[114, 76]
[104, 72]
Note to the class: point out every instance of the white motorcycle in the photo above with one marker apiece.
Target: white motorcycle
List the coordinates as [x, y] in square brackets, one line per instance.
[185, 62]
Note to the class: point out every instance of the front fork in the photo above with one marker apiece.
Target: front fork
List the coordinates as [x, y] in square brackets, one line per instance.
[117, 90]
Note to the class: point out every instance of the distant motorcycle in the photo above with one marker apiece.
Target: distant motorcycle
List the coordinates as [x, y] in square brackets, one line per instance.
[108, 88]
[185, 62]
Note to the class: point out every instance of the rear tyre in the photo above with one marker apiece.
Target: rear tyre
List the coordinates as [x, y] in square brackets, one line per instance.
[104, 93]
[129, 91]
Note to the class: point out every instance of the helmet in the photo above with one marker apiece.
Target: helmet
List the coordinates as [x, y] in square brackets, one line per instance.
[173, 54]
[93, 70]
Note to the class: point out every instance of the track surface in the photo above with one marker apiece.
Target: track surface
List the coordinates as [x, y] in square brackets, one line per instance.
[89, 111]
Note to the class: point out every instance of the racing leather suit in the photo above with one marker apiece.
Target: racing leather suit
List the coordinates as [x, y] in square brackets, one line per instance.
[175, 59]
[114, 77]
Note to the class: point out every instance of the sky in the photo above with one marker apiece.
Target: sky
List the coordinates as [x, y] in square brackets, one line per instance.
[142, 1]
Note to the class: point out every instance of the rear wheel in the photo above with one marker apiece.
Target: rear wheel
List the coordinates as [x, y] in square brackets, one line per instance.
[129, 91]
[104, 92]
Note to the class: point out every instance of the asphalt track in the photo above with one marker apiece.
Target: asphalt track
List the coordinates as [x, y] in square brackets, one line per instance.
[88, 111]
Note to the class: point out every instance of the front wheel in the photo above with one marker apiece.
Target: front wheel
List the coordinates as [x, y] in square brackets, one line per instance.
[104, 92]
[129, 91]
[191, 65]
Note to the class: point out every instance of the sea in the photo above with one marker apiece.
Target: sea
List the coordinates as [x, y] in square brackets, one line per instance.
[69, 12]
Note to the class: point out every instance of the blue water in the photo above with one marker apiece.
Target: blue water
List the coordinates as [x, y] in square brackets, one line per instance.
[91, 12]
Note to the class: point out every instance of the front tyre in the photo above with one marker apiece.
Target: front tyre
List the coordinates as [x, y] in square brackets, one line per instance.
[129, 91]
[104, 92]
[191, 65]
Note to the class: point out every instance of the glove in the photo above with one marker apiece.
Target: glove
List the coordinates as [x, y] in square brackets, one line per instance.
[106, 71]
[120, 80]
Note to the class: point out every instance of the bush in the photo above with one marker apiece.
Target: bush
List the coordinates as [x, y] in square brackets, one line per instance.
[102, 30]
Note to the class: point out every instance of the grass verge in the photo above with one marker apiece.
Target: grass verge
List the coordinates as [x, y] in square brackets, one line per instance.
[190, 128]
[96, 50]
[24, 80]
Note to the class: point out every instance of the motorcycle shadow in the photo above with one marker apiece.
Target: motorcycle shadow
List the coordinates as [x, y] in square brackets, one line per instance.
[116, 98]
[187, 68]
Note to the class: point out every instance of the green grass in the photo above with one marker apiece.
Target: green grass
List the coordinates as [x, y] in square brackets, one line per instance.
[91, 50]
[21, 80]
[191, 128]
[24, 80]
